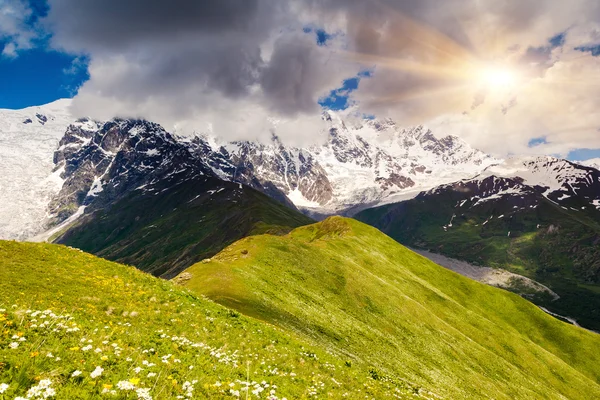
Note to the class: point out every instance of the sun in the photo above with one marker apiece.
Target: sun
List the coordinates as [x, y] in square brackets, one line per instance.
[498, 77]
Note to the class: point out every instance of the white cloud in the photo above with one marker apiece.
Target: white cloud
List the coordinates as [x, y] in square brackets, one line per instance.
[13, 27]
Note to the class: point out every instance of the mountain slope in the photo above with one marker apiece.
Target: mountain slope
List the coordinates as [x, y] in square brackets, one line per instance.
[78, 327]
[540, 218]
[347, 284]
[166, 230]
[146, 200]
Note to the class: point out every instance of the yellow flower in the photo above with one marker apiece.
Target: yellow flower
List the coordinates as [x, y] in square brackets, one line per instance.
[34, 354]
[135, 381]
[107, 386]
[74, 348]
[104, 358]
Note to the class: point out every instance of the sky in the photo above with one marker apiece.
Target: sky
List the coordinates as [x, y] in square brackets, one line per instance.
[509, 77]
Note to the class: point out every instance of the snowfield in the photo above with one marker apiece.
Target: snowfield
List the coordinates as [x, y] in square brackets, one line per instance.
[28, 139]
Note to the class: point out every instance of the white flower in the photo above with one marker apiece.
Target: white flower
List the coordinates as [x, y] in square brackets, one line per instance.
[137, 370]
[86, 348]
[13, 345]
[76, 373]
[125, 385]
[98, 350]
[97, 372]
[3, 387]
[151, 374]
[143, 394]
[45, 383]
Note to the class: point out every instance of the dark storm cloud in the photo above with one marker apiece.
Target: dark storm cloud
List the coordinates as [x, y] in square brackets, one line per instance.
[295, 72]
[169, 45]
[114, 24]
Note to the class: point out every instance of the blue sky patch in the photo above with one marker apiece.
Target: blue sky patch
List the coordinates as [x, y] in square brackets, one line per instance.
[558, 40]
[38, 77]
[583, 154]
[536, 142]
[321, 35]
[595, 50]
[338, 98]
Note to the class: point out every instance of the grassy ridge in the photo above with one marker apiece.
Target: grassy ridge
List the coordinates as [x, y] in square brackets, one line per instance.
[80, 327]
[164, 232]
[557, 247]
[345, 284]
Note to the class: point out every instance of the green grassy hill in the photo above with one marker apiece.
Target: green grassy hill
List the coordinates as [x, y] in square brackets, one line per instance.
[168, 229]
[78, 327]
[347, 285]
[554, 245]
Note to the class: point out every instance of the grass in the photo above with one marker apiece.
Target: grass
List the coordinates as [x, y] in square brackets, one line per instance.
[164, 232]
[567, 260]
[73, 326]
[356, 291]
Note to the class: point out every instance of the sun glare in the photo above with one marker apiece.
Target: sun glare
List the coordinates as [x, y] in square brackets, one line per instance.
[498, 77]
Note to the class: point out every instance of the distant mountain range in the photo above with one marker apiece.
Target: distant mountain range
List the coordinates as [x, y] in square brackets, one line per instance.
[361, 163]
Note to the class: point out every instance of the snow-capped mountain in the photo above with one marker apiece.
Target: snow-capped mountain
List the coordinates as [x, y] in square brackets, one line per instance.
[557, 179]
[361, 164]
[593, 162]
[28, 139]
[55, 165]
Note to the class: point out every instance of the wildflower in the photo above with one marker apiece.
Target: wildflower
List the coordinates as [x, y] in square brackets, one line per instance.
[76, 373]
[143, 394]
[97, 372]
[137, 370]
[98, 350]
[42, 389]
[3, 387]
[151, 374]
[125, 385]
[86, 348]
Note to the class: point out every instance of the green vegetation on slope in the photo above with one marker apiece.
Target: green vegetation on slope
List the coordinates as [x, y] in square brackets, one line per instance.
[80, 327]
[164, 232]
[557, 247]
[347, 285]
